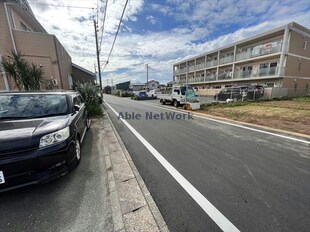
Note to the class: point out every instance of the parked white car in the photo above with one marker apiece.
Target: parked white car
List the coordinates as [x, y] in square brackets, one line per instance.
[152, 93]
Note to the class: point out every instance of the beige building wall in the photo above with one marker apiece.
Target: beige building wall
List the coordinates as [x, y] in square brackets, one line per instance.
[297, 67]
[297, 44]
[18, 19]
[297, 86]
[35, 44]
[64, 64]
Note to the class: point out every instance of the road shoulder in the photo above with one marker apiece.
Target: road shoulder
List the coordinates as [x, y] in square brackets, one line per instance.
[133, 208]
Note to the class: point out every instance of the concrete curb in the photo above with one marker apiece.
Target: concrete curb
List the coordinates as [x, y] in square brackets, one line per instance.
[133, 208]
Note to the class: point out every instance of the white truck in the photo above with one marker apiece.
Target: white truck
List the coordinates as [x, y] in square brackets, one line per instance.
[179, 95]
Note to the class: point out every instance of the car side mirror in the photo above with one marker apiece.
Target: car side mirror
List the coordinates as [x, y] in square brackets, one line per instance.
[77, 108]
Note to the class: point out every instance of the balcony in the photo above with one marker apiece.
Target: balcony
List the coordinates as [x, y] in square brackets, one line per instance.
[224, 76]
[181, 70]
[262, 72]
[191, 68]
[211, 63]
[226, 60]
[200, 66]
[211, 77]
[259, 51]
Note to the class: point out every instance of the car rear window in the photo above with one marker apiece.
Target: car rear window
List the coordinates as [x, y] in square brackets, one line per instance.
[31, 106]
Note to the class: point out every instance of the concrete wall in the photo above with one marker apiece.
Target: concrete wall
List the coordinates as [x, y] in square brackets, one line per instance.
[64, 64]
[297, 67]
[297, 42]
[207, 92]
[297, 86]
[39, 48]
[275, 92]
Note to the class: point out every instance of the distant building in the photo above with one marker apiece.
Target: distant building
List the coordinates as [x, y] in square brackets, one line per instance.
[21, 32]
[278, 58]
[123, 86]
[152, 84]
[136, 86]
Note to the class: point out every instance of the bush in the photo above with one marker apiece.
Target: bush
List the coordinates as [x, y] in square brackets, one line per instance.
[91, 95]
[126, 94]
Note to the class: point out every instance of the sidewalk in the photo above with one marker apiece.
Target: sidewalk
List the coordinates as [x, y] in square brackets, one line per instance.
[133, 208]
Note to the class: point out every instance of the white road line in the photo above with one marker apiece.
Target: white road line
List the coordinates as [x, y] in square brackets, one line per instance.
[231, 124]
[206, 205]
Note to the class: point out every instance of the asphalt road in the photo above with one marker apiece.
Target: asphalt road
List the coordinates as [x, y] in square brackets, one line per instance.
[259, 182]
[76, 202]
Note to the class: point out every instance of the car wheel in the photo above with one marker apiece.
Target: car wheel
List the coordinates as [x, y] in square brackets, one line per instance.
[77, 151]
[88, 123]
[162, 102]
[175, 103]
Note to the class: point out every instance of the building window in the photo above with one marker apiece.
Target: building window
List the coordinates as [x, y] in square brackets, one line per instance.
[305, 45]
[299, 67]
[295, 87]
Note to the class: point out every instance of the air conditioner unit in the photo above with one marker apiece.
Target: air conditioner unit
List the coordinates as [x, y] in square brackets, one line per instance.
[55, 82]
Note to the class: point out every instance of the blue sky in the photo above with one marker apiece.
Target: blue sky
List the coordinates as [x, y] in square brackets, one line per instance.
[161, 32]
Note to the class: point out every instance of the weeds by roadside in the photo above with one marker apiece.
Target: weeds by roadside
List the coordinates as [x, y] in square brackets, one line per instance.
[292, 115]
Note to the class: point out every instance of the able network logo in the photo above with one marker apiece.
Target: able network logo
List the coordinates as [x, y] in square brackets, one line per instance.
[155, 116]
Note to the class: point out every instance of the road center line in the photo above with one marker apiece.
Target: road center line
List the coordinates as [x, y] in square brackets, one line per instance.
[229, 123]
[207, 206]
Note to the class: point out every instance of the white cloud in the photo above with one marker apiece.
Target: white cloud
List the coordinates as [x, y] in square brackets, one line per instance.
[151, 19]
[161, 49]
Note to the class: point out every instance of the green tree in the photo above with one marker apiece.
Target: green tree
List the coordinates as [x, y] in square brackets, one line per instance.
[27, 76]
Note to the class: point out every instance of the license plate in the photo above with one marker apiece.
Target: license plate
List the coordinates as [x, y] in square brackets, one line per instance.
[2, 180]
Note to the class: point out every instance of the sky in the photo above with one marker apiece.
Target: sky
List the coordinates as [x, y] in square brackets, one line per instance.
[158, 33]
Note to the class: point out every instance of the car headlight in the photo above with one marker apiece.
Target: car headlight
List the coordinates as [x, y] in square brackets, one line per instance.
[55, 137]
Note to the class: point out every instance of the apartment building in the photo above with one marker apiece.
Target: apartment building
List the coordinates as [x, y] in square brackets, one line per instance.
[21, 32]
[279, 58]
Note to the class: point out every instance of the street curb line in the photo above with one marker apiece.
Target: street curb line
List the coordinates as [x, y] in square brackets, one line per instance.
[117, 217]
[151, 205]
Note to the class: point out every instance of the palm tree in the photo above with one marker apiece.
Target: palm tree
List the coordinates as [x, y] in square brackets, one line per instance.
[26, 76]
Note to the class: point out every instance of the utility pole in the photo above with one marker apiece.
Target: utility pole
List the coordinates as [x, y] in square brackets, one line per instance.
[147, 76]
[98, 58]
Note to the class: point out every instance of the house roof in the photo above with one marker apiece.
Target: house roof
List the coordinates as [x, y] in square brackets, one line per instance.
[152, 81]
[137, 84]
[83, 69]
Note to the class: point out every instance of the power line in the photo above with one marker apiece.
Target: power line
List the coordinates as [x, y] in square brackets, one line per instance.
[46, 4]
[102, 29]
[119, 26]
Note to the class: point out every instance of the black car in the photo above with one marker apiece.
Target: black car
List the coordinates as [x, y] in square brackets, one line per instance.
[40, 136]
[248, 92]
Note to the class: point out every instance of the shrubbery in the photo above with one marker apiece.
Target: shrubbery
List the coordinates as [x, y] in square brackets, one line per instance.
[91, 95]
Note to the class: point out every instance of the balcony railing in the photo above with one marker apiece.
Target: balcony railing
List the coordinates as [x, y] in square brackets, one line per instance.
[200, 66]
[211, 63]
[224, 76]
[227, 59]
[191, 68]
[258, 52]
[271, 71]
[211, 77]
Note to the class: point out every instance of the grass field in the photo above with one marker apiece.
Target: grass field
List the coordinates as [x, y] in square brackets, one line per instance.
[291, 115]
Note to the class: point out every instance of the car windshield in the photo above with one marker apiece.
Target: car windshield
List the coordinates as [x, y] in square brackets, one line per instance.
[32, 106]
